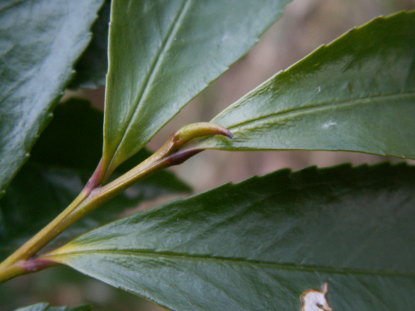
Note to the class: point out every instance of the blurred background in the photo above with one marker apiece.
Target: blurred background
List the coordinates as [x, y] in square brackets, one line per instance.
[305, 25]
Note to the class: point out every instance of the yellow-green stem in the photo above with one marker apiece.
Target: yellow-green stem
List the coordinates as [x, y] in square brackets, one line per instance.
[11, 272]
[24, 267]
[92, 196]
[82, 205]
[54, 228]
[44, 236]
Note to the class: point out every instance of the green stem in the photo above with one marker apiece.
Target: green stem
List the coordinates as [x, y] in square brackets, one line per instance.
[11, 272]
[92, 196]
[54, 228]
[44, 236]
[24, 267]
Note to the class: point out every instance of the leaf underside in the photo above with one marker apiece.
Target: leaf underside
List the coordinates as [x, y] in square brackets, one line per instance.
[355, 94]
[260, 244]
[39, 43]
[163, 53]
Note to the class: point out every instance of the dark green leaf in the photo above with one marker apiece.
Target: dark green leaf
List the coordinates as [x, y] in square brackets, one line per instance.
[74, 137]
[162, 53]
[356, 94]
[262, 243]
[63, 160]
[39, 43]
[92, 67]
[46, 307]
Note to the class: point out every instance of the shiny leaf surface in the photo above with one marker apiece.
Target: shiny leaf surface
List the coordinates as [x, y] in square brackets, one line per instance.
[261, 244]
[56, 173]
[39, 43]
[356, 94]
[163, 53]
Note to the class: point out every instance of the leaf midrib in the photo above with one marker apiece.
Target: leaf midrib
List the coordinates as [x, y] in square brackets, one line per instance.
[239, 261]
[154, 69]
[317, 108]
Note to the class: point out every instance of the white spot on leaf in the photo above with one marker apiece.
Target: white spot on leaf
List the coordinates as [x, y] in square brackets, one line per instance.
[328, 124]
[315, 300]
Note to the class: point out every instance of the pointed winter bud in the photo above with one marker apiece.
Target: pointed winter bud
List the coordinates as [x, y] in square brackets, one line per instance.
[196, 130]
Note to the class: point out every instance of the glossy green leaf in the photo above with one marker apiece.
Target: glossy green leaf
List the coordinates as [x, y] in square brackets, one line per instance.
[356, 94]
[39, 43]
[62, 161]
[162, 53]
[46, 307]
[260, 244]
[92, 66]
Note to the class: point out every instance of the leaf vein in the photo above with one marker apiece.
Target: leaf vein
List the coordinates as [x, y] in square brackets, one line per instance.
[154, 69]
[285, 114]
[240, 261]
